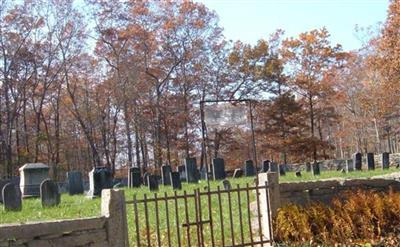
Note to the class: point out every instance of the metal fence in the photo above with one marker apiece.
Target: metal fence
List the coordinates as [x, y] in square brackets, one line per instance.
[219, 217]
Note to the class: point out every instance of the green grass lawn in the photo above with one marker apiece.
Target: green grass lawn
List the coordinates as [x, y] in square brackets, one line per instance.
[80, 206]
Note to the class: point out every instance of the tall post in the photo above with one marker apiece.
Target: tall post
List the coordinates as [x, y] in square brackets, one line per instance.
[253, 135]
[113, 208]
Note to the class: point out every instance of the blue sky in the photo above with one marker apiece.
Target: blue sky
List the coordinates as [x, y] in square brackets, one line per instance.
[250, 20]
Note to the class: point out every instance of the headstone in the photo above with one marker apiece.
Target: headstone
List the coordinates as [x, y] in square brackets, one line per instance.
[218, 169]
[249, 170]
[298, 174]
[343, 170]
[357, 161]
[315, 169]
[398, 166]
[237, 173]
[273, 167]
[99, 178]
[165, 174]
[308, 167]
[265, 166]
[370, 161]
[227, 184]
[385, 160]
[15, 180]
[134, 178]
[49, 193]
[145, 178]
[182, 173]
[3, 182]
[75, 183]
[32, 175]
[282, 171]
[152, 182]
[192, 175]
[176, 181]
[11, 196]
[203, 173]
[125, 181]
[349, 166]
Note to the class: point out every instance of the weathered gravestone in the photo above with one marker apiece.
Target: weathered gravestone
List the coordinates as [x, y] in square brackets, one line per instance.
[49, 193]
[182, 173]
[152, 182]
[218, 169]
[370, 161]
[32, 175]
[203, 173]
[75, 183]
[385, 160]
[134, 178]
[99, 178]
[308, 167]
[226, 184]
[3, 182]
[298, 174]
[357, 161]
[273, 167]
[192, 174]
[265, 166]
[316, 169]
[237, 173]
[249, 170]
[145, 178]
[11, 196]
[349, 166]
[176, 180]
[282, 170]
[165, 174]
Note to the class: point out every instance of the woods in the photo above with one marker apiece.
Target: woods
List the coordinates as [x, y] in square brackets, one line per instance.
[118, 83]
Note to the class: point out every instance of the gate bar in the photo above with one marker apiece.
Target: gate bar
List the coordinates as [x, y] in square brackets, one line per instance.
[240, 214]
[177, 219]
[249, 212]
[167, 214]
[187, 217]
[157, 220]
[230, 217]
[221, 216]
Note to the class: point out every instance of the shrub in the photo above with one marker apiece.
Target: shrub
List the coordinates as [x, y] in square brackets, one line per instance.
[356, 217]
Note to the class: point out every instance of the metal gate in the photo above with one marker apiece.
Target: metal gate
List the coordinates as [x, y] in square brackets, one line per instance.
[218, 217]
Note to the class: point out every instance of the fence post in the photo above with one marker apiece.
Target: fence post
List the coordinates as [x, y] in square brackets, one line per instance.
[271, 180]
[113, 207]
[273, 192]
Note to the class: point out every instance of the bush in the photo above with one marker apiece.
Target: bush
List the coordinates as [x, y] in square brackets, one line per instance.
[356, 218]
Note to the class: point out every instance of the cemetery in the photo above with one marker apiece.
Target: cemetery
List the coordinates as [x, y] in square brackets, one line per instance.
[149, 123]
[75, 203]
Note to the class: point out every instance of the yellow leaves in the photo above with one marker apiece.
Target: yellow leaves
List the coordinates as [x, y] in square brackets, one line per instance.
[358, 215]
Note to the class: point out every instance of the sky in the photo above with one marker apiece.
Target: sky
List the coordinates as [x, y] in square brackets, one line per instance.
[251, 20]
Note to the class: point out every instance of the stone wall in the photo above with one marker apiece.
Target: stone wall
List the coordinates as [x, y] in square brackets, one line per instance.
[108, 230]
[303, 193]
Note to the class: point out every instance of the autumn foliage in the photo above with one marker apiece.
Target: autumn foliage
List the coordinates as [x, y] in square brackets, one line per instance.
[118, 84]
[358, 217]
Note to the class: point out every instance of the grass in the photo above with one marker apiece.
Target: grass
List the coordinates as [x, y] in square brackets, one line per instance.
[307, 176]
[80, 206]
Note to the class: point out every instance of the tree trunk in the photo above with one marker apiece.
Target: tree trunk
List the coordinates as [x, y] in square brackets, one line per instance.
[314, 146]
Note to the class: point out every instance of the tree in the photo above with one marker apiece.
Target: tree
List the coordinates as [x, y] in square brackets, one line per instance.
[309, 58]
